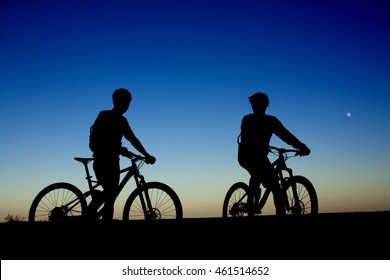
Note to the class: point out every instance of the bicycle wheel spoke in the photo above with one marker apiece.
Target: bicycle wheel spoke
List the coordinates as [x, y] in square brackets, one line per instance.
[58, 201]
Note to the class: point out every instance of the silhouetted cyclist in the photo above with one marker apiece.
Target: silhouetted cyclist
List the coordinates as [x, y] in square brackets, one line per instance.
[106, 144]
[256, 132]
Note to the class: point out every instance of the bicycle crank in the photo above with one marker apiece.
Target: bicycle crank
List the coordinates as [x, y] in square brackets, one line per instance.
[58, 214]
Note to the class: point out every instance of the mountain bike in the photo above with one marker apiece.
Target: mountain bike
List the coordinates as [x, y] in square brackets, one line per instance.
[300, 196]
[149, 201]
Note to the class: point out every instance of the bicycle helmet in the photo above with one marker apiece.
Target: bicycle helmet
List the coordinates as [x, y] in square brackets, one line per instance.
[259, 98]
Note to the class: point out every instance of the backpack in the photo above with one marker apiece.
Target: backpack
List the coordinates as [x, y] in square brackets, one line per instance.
[92, 139]
[105, 134]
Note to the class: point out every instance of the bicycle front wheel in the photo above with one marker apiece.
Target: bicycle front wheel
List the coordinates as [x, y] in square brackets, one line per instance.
[57, 202]
[165, 203]
[301, 196]
[235, 201]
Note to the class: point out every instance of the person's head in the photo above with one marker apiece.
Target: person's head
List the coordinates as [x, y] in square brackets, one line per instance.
[259, 102]
[121, 99]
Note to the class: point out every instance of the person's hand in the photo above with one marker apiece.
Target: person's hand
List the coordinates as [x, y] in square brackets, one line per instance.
[304, 151]
[124, 151]
[150, 159]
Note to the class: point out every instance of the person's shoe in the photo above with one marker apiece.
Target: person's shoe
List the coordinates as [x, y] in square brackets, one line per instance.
[281, 212]
[250, 209]
[257, 209]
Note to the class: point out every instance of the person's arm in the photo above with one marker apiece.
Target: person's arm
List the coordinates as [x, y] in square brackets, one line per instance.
[136, 143]
[285, 135]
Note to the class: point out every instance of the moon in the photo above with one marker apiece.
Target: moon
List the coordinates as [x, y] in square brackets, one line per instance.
[349, 114]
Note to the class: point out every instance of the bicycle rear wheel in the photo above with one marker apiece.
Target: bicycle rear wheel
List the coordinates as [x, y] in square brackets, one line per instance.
[57, 202]
[165, 203]
[235, 200]
[307, 200]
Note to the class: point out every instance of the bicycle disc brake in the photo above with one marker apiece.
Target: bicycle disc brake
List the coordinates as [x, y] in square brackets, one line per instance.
[154, 214]
[298, 208]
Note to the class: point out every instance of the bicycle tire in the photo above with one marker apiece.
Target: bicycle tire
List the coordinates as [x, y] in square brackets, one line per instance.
[165, 202]
[308, 200]
[50, 204]
[231, 204]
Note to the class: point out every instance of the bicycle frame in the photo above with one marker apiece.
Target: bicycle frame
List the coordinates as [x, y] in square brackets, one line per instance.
[131, 171]
[279, 165]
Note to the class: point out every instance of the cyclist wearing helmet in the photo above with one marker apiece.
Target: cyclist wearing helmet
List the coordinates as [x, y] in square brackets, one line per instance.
[256, 132]
[105, 142]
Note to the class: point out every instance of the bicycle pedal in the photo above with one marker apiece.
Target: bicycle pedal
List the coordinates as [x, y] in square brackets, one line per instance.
[258, 211]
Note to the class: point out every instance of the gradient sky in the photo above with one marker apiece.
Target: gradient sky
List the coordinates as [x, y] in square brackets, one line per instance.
[191, 66]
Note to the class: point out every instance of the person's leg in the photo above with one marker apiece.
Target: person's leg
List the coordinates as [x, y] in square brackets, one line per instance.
[93, 206]
[271, 181]
[254, 183]
[107, 173]
[254, 188]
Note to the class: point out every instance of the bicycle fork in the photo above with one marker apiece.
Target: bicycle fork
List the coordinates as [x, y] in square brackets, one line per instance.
[149, 212]
[292, 203]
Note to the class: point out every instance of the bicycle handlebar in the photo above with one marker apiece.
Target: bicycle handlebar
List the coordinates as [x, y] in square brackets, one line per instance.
[131, 155]
[126, 153]
[284, 151]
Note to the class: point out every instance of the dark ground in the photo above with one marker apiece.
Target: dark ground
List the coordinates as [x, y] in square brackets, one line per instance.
[333, 236]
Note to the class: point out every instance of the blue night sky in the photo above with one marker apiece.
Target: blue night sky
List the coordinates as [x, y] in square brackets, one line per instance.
[191, 66]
